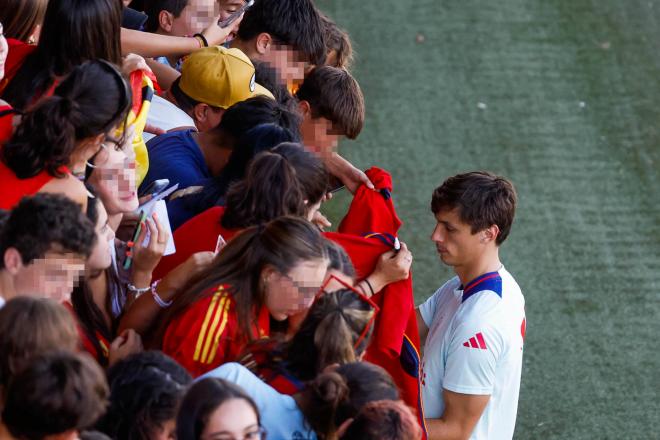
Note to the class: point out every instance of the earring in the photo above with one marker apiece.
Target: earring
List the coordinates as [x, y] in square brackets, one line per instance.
[31, 40]
[91, 165]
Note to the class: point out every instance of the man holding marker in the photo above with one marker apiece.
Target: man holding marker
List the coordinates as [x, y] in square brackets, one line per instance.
[473, 327]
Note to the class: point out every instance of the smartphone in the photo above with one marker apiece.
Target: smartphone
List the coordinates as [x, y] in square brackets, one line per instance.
[337, 188]
[155, 187]
[234, 15]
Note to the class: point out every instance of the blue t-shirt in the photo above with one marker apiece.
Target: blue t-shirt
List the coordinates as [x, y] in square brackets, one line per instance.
[280, 415]
[177, 157]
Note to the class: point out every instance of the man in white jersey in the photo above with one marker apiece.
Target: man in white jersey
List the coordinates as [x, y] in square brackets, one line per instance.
[472, 328]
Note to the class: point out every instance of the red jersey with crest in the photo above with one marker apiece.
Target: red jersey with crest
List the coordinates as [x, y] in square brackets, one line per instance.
[207, 333]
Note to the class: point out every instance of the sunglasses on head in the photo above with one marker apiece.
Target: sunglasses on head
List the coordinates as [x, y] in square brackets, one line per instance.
[373, 305]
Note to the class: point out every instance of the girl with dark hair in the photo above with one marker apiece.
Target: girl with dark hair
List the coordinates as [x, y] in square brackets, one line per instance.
[73, 32]
[59, 135]
[317, 411]
[216, 408]
[266, 271]
[287, 180]
[145, 392]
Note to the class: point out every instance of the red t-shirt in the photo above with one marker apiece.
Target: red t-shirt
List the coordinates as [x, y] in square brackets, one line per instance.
[207, 334]
[101, 355]
[198, 234]
[14, 189]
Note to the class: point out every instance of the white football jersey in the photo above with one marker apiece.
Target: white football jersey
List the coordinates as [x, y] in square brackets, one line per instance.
[475, 346]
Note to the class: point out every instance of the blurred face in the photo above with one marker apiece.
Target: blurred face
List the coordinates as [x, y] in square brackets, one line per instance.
[289, 63]
[235, 419]
[289, 294]
[114, 180]
[101, 257]
[319, 135]
[194, 18]
[4, 49]
[454, 240]
[52, 276]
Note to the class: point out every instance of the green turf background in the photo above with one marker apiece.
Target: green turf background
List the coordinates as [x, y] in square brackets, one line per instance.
[572, 116]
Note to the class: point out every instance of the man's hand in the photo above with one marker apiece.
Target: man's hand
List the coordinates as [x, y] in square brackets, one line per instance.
[346, 172]
[391, 267]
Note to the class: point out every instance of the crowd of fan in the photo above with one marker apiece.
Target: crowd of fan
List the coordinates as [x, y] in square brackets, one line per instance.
[257, 324]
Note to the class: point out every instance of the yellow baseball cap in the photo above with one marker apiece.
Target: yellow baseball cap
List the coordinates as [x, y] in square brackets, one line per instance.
[220, 77]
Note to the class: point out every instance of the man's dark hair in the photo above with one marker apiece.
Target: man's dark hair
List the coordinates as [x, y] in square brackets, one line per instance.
[332, 93]
[295, 23]
[56, 393]
[153, 7]
[145, 391]
[45, 220]
[245, 115]
[482, 199]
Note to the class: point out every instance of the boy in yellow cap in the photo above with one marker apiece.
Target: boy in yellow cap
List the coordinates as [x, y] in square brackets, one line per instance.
[212, 80]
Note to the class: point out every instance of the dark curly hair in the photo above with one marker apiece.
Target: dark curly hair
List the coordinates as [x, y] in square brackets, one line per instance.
[145, 392]
[45, 220]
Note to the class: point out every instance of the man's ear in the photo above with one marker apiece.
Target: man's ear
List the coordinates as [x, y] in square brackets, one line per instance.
[490, 234]
[165, 20]
[263, 43]
[200, 112]
[305, 108]
[13, 260]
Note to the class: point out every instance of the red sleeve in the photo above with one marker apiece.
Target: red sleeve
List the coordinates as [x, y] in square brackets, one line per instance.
[200, 338]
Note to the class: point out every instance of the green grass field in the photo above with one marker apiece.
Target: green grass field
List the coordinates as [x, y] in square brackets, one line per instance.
[570, 111]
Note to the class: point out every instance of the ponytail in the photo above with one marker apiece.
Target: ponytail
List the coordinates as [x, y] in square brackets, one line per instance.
[271, 189]
[335, 323]
[284, 181]
[45, 139]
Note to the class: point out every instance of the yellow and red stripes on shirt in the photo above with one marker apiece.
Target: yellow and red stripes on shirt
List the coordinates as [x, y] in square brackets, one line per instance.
[213, 327]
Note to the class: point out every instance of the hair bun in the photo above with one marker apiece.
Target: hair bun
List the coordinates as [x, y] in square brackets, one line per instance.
[331, 388]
